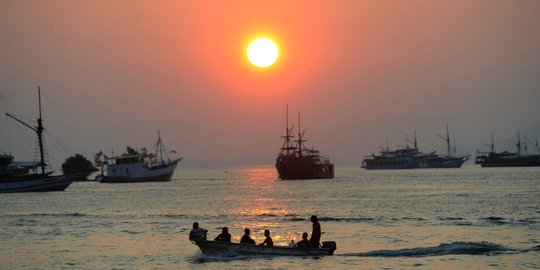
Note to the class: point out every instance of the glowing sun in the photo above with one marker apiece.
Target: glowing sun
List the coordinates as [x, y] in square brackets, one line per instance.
[262, 52]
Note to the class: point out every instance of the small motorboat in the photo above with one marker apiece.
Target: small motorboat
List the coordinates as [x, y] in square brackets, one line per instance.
[219, 248]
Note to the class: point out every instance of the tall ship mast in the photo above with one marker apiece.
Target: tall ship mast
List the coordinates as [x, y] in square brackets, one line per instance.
[28, 176]
[296, 161]
[451, 160]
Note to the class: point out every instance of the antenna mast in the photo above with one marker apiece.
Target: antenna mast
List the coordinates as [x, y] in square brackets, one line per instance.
[536, 144]
[518, 144]
[448, 141]
[492, 143]
[415, 143]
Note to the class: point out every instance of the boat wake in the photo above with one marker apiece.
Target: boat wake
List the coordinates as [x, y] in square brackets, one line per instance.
[454, 248]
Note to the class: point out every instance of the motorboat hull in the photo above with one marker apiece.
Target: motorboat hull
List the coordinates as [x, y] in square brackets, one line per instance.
[218, 248]
[142, 174]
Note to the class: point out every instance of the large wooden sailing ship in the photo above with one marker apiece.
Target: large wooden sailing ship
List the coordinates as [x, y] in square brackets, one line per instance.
[296, 161]
[31, 176]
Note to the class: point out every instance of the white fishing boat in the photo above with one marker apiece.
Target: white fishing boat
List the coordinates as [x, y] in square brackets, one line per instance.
[31, 176]
[140, 167]
[228, 249]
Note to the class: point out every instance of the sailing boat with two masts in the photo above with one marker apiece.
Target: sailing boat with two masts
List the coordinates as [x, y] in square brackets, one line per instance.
[296, 161]
[31, 176]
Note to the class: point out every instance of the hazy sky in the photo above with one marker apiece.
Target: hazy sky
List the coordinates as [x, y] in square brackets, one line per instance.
[114, 72]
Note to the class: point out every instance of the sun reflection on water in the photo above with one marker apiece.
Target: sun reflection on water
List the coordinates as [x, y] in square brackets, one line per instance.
[259, 207]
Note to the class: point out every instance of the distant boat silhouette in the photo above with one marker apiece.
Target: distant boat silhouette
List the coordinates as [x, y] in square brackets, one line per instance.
[31, 176]
[507, 159]
[140, 167]
[412, 158]
[295, 161]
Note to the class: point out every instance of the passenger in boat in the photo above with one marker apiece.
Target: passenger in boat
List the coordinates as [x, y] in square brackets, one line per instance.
[316, 233]
[292, 244]
[304, 243]
[268, 240]
[224, 236]
[246, 239]
[197, 233]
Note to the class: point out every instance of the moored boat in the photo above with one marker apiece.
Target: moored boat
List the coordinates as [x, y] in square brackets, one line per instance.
[508, 159]
[218, 248]
[296, 161]
[140, 167]
[406, 158]
[31, 176]
[413, 158]
[451, 160]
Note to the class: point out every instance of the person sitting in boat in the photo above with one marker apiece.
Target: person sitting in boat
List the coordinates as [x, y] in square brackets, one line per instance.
[304, 243]
[246, 239]
[197, 233]
[224, 236]
[268, 240]
[316, 233]
[292, 244]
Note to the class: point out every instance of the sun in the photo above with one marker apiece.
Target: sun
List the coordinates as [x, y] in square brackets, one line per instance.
[262, 52]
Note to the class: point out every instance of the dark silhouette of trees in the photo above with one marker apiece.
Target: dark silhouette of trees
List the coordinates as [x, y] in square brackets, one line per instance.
[77, 164]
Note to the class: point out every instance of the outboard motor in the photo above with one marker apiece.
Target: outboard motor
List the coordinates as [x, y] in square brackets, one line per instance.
[331, 245]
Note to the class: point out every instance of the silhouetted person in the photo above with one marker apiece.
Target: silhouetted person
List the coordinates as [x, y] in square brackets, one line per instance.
[316, 233]
[246, 239]
[268, 240]
[304, 243]
[292, 244]
[224, 236]
[197, 233]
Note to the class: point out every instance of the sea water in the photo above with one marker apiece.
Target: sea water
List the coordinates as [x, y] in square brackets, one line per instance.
[467, 218]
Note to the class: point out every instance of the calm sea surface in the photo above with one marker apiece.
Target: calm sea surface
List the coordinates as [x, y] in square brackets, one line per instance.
[468, 218]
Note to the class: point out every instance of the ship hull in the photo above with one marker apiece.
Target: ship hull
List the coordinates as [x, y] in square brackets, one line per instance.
[443, 163]
[531, 161]
[299, 170]
[142, 174]
[157, 178]
[216, 248]
[37, 183]
[425, 163]
[390, 165]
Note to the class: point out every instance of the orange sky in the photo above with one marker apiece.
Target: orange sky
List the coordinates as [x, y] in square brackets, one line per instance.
[360, 72]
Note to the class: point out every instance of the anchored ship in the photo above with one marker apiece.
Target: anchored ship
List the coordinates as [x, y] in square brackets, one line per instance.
[31, 176]
[296, 161]
[451, 160]
[140, 167]
[403, 158]
[413, 158]
[508, 159]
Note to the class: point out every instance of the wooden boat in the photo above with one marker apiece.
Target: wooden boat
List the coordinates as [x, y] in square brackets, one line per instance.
[31, 176]
[37, 183]
[296, 161]
[507, 159]
[413, 158]
[140, 167]
[218, 248]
